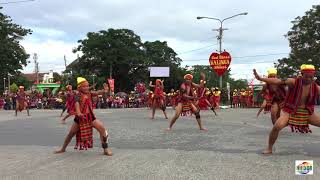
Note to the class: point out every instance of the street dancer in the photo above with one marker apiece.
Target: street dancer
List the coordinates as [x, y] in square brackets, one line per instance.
[85, 120]
[186, 105]
[298, 111]
[158, 100]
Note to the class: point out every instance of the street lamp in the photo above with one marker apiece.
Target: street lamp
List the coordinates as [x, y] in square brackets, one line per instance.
[4, 85]
[93, 76]
[220, 30]
[9, 83]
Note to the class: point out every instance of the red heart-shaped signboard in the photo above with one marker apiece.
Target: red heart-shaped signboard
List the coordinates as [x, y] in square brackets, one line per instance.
[220, 62]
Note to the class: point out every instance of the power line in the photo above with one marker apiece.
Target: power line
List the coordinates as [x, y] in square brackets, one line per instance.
[208, 39]
[14, 2]
[192, 50]
[239, 57]
[265, 62]
[260, 55]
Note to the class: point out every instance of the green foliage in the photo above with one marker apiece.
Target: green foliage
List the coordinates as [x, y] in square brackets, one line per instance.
[57, 77]
[14, 88]
[122, 51]
[12, 55]
[118, 50]
[238, 84]
[304, 41]
[22, 81]
[160, 54]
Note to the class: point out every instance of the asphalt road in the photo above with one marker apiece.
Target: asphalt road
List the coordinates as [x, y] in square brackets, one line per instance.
[231, 149]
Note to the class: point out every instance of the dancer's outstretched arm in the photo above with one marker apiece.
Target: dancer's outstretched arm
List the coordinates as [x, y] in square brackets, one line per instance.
[93, 86]
[101, 92]
[275, 81]
[150, 84]
[196, 85]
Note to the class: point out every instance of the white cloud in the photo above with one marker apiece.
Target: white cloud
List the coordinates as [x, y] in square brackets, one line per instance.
[245, 71]
[50, 54]
[59, 24]
[47, 32]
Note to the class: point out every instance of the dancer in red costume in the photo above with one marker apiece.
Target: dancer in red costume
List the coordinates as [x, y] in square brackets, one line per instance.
[276, 94]
[250, 98]
[235, 98]
[150, 98]
[186, 105]
[203, 102]
[85, 120]
[298, 111]
[70, 103]
[267, 102]
[22, 101]
[243, 98]
[172, 98]
[217, 97]
[158, 100]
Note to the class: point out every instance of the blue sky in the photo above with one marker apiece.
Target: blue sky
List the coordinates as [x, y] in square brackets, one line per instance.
[57, 25]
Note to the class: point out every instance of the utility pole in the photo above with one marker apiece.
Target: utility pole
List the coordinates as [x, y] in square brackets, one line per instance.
[4, 85]
[220, 30]
[65, 61]
[219, 37]
[36, 67]
[9, 82]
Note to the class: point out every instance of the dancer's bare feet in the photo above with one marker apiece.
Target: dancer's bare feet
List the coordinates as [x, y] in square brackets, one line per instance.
[59, 151]
[168, 129]
[203, 129]
[107, 152]
[267, 151]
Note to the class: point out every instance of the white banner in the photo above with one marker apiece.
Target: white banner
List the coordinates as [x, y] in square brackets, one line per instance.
[159, 71]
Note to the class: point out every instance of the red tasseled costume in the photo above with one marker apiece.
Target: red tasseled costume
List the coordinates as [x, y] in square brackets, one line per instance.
[186, 103]
[158, 98]
[268, 99]
[70, 103]
[84, 136]
[299, 117]
[21, 100]
[235, 99]
[202, 103]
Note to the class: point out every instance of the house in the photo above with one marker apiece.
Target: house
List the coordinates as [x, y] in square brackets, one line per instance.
[33, 76]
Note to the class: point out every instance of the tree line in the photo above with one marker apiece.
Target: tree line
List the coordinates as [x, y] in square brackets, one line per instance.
[120, 53]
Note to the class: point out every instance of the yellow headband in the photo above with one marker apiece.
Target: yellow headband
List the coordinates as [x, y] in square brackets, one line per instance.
[307, 68]
[272, 71]
[80, 80]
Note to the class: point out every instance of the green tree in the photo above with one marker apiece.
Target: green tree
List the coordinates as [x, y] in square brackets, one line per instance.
[22, 81]
[238, 84]
[304, 41]
[160, 54]
[116, 50]
[213, 80]
[12, 55]
[122, 52]
[14, 87]
[57, 77]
